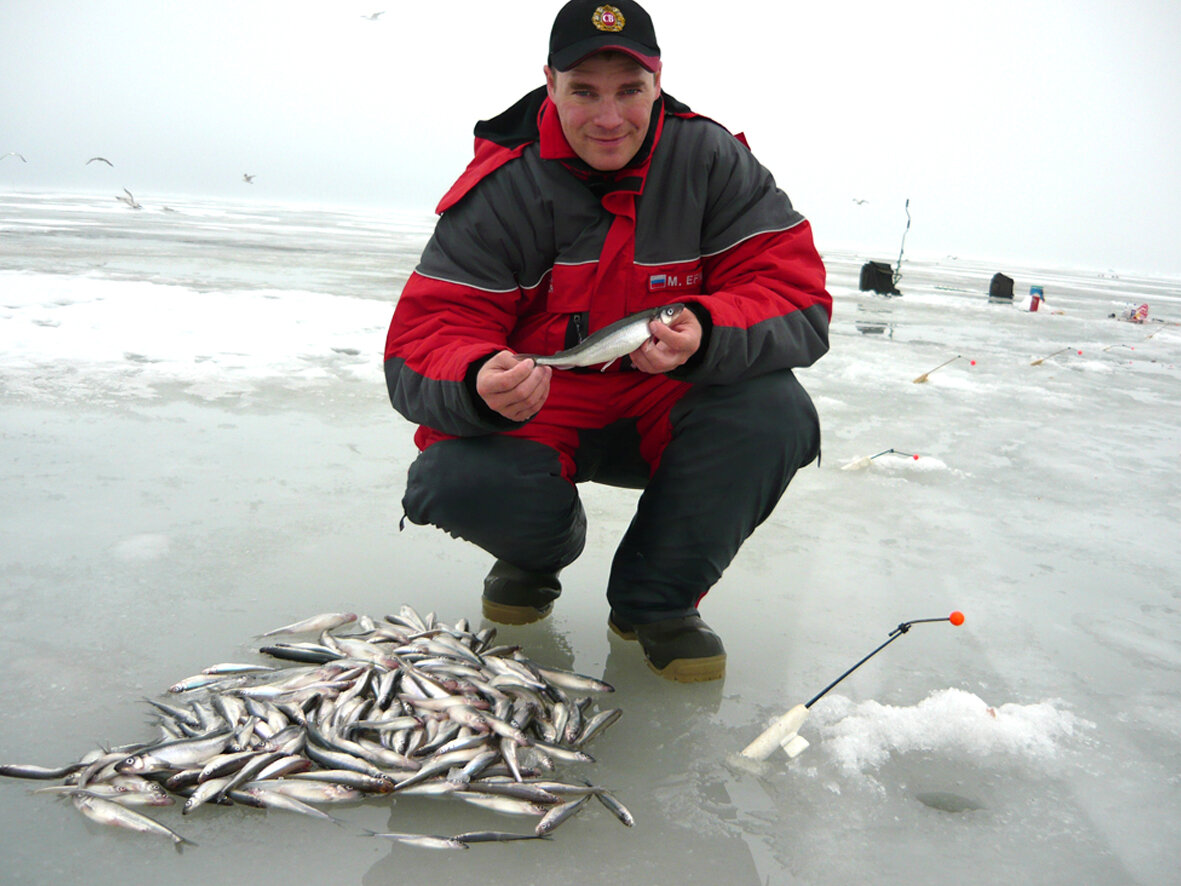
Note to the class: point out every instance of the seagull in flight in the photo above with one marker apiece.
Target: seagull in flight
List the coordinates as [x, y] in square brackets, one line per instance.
[249, 179]
[374, 16]
[859, 201]
[15, 154]
[129, 199]
[102, 159]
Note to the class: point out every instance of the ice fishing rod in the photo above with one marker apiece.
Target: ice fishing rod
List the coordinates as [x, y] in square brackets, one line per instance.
[865, 460]
[922, 378]
[784, 732]
[1040, 360]
[898, 268]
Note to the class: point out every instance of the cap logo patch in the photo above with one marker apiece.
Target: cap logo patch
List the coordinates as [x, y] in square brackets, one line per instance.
[608, 18]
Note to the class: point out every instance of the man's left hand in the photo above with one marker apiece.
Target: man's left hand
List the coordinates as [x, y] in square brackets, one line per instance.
[671, 344]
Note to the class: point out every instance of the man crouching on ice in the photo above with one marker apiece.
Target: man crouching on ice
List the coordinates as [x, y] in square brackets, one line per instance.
[592, 198]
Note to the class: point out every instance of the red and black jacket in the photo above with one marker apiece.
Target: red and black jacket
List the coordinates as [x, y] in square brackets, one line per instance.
[533, 251]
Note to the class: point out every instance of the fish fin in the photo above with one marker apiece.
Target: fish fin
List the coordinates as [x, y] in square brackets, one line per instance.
[607, 365]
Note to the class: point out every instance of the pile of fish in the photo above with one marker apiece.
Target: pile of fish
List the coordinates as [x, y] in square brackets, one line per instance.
[406, 706]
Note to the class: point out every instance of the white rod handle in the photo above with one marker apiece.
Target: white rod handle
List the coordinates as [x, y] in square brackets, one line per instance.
[778, 733]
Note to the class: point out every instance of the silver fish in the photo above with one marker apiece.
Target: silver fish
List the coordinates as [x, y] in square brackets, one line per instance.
[275, 800]
[496, 837]
[233, 667]
[206, 791]
[312, 792]
[621, 812]
[176, 755]
[611, 342]
[105, 812]
[571, 681]
[116, 794]
[347, 778]
[596, 724]
[22, 770]
[559, 814]
[324, 621]
[423, 841]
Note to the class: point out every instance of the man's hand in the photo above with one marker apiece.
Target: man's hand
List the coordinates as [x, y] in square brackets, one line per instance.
[671, 344]
[513, 387]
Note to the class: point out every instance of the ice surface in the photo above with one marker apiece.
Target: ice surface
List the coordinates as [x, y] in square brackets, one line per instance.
[197, 447]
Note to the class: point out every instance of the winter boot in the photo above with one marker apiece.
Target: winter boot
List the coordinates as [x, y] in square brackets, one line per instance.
[515, 596]
[684, 649]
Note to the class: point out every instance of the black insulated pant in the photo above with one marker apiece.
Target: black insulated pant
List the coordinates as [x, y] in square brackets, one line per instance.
[733, 451]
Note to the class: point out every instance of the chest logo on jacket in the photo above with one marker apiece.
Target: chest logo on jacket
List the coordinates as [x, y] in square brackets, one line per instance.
[660, 282]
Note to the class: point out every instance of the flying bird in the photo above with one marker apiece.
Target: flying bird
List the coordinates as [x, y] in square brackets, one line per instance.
[129, 199]
[101, 159]
[249, 179]
[374, 16]
[859, 201]
[15, 154]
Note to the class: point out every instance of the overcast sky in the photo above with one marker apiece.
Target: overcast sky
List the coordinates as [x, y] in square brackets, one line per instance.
[1020, 130]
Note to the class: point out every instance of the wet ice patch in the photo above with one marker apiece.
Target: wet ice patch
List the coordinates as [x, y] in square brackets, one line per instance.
[148, 546]
[951, 722]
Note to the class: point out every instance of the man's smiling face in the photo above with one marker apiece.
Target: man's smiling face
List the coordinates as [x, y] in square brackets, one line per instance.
[605, 106]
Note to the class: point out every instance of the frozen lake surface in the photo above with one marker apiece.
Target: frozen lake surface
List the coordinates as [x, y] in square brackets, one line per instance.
[197, 447]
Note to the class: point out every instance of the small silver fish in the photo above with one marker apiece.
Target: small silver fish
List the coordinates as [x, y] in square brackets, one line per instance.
[496, 837]
[611, 342]
[424, 841]
[618, 809]
[323, 622]
[105, 812]
[175, 754]
[22, 770]
[559, 814]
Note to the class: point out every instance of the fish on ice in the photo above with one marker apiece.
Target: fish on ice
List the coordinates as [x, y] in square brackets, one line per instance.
[410, 705]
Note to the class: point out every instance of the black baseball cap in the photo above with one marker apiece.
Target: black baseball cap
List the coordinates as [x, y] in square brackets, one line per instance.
[584, 27]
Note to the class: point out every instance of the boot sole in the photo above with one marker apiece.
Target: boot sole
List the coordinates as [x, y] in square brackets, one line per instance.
[692, 670]
[619, 632]
[506, 614]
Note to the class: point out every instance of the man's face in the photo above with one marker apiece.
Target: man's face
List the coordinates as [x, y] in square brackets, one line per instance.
[605, 105]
